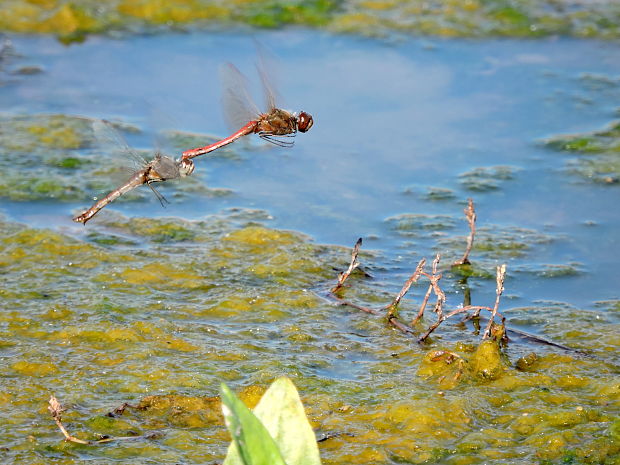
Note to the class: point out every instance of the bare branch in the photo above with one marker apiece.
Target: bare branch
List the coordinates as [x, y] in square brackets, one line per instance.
[441, 297]
[391, 316]
[423, 305]
[433, 286]
[412, 279]
[392, 308]
[342, 277]
[500, 277]
[470, 214]
[391, 320]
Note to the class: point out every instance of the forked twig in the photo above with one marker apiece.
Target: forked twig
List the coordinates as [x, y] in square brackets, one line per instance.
[342, 277]
[392, 308]
[432, 285]
[470, 214]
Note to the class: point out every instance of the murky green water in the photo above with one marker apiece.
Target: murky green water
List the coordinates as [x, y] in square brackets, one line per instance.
[144, 301]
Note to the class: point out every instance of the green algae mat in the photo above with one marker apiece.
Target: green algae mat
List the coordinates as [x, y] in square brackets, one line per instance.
[72, 20]
[157, 312]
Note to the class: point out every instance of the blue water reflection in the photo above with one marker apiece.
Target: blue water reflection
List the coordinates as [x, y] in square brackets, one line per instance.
[388, 117]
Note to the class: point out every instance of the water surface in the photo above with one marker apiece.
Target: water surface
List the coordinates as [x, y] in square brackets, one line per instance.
[392, 120]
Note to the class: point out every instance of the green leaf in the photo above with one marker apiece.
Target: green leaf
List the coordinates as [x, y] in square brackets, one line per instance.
[283, 414]
[252, 443]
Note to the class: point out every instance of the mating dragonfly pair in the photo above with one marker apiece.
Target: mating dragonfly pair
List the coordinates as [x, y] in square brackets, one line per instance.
[276, 126]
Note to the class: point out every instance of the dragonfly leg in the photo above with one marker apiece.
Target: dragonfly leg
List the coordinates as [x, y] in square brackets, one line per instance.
[277, 139]
[162, 200]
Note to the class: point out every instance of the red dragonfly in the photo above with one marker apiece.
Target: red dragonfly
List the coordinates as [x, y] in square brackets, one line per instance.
[161, 168]
[276, 126]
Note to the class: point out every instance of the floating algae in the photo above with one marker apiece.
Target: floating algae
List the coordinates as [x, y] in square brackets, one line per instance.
[161, 323]
[71, 21]
[58, 157]
[598, 154]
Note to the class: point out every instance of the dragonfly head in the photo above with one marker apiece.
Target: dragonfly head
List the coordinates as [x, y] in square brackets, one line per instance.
[304, 121]
[186, 167]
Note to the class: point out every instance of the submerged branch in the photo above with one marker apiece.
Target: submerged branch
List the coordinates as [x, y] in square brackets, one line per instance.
[394, 321]
[347, 303]
[56, 409]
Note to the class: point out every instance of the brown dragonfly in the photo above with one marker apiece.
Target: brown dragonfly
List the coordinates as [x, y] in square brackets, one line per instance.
[161, 168]
[276, 125]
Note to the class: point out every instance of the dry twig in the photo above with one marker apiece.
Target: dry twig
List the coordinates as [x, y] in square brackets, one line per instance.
[441, 298]
[56, 410]
[434, 278]
[470, 214]
[392, 317]
[433, 287]
[412, 279]
[342, 277]
[445, 316]
[392, 308]
[499, 279]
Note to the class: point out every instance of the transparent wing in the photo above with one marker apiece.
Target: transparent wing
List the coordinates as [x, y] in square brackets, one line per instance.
[118, 160]
[239, 108]
[161, 126]
[111, 141]
[266, 67]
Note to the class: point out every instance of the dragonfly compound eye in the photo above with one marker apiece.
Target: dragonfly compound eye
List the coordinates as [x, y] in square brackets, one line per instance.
[304, 121]
[186, 167]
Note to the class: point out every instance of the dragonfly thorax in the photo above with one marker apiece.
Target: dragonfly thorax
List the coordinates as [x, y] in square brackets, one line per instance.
[163, 168]
[277, 123]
